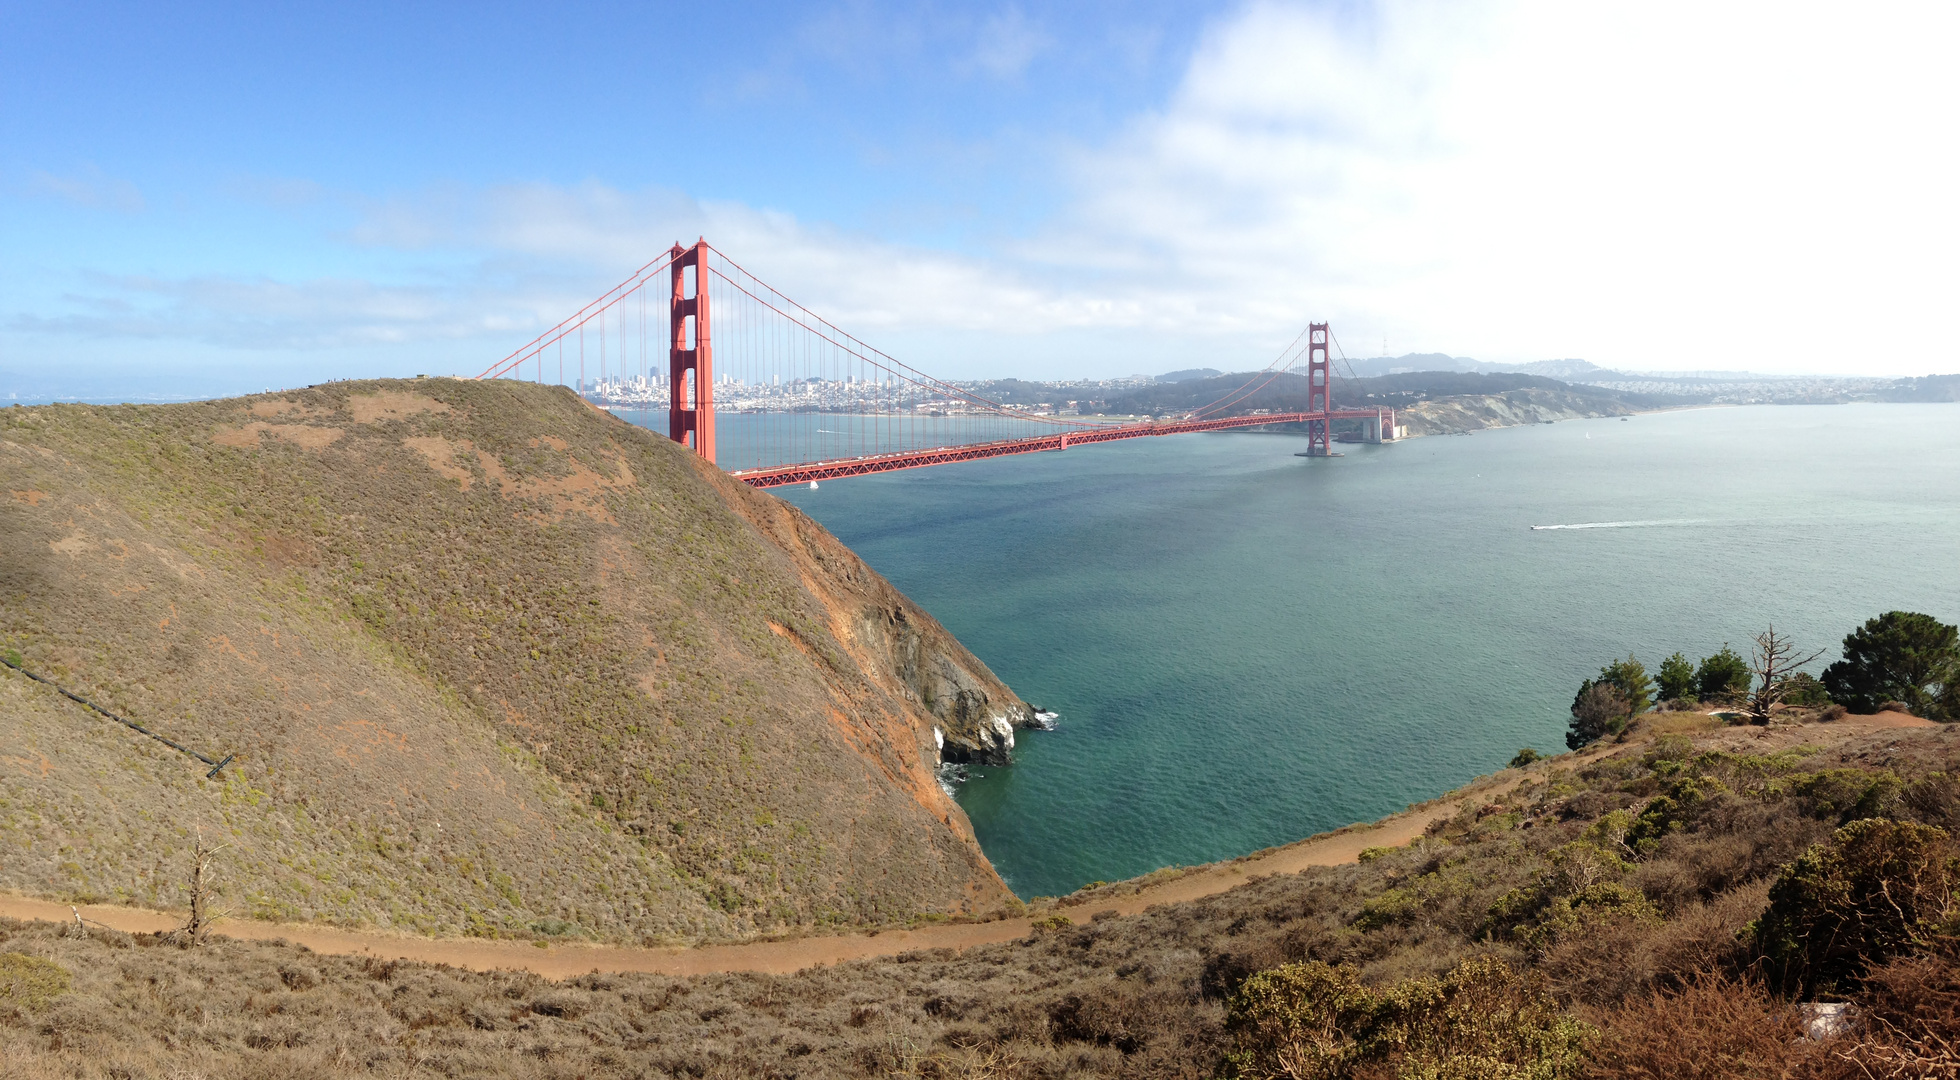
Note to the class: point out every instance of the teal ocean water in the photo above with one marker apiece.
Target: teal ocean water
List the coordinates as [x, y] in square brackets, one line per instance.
[1247, 647]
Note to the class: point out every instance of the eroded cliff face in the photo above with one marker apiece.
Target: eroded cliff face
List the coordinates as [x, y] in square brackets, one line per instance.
[492, 662]
[963, 712]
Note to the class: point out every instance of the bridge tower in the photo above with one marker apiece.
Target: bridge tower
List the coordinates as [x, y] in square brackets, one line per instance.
[691, 408]
[1320, 393]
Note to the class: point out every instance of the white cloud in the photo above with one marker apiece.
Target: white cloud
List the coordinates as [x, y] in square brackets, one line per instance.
[89, 187]
[1008, 43]
[1666, 185]
[856, 280]
[1661, 185]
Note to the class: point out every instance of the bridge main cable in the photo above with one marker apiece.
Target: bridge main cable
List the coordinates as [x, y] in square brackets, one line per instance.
[875, 413]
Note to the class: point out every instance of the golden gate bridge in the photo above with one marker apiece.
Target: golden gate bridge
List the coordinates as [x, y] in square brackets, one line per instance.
[751, 375]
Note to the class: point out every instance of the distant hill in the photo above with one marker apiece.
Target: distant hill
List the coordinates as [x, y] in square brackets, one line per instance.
[62, 385]
[1188, 374]
[1661, 388]
[1287, 392]
[1415, 362]
[1561, 369]
[1924, 388]
[493, 662]
[1398, 365]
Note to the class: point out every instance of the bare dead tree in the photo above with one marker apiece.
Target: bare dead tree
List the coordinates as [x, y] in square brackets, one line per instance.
[202, 890]
[1775, 663]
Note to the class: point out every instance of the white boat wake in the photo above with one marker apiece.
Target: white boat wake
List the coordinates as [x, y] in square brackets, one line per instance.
[1620, 524]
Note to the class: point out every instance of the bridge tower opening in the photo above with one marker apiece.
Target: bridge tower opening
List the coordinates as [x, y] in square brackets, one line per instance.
[691, 401]
[1320, 393]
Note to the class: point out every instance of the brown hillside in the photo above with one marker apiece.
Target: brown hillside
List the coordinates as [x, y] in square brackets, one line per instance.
[492, 662]
[1475, 412]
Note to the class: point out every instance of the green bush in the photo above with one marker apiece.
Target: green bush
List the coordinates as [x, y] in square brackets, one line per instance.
[1303, 1020]
[1676, 678]
[31, 982]
[1899, 656]
[1052, 924]
[1806, 691]
[1723, 678]
[1316, 1021]
[1524, 757]
[1877, 890]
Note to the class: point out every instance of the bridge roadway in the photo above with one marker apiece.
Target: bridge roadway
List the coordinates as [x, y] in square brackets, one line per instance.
[781, 475]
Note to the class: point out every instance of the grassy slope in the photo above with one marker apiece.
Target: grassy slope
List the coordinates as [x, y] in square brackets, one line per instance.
[1138, 995]
[492, 662]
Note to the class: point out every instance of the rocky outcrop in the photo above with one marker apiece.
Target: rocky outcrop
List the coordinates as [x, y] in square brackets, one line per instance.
[976, 713]
[1475, 412]
[969, 714]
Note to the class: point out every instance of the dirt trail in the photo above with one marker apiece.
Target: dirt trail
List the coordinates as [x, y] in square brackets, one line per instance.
[564, 961]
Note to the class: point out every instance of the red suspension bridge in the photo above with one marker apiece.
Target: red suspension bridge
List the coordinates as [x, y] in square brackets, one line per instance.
[775, 394]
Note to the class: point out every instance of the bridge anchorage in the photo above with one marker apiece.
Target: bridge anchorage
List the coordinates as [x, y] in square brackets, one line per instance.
[776, 394]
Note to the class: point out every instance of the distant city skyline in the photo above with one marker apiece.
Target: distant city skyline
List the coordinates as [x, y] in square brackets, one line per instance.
[223, 197]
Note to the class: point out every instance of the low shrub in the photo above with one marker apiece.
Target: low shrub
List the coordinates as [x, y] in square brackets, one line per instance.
[1319, 1021]
[31, 982]
[1714, 1028]
[1879, 889]
[1911, 1013]
[1052, 924]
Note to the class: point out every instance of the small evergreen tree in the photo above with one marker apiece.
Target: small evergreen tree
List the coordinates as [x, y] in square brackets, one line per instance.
[1599, 710]
[1724, 677]
[1677, 678]
[1630, 676]
[1805, 690]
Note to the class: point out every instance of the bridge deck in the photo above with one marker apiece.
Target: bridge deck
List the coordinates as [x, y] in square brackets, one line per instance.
[780, 475]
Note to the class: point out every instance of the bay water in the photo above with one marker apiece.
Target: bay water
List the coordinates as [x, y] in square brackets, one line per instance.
[1247, 647]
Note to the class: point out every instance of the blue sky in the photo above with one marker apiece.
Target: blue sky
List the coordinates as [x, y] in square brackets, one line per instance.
[212, 197]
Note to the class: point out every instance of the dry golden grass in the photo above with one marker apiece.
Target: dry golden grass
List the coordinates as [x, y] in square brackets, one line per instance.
[530, 687]
[1125, 996]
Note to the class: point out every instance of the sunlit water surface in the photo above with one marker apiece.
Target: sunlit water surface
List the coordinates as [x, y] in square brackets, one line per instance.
[1248, 647]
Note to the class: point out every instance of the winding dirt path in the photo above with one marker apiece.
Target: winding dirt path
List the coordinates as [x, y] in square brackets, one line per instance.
[794, 954]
